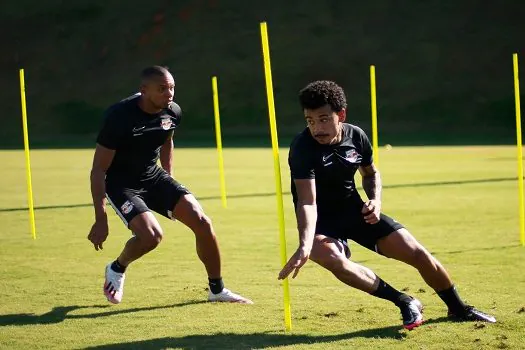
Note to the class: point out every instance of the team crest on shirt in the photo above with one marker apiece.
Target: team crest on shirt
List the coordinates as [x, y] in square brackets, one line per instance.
[352, 156]
[127, 207]
[166, 123]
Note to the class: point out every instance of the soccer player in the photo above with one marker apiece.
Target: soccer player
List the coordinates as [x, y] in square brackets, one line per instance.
[137, 131]
[323, 160]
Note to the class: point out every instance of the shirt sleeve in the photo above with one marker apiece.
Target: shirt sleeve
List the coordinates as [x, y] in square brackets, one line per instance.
[301, 162]
[175, 113]
[112, 132]
[366, 148]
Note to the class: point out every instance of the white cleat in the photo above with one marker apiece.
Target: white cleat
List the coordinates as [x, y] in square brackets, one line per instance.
[227, 296]
[412, 314]
[114, 285]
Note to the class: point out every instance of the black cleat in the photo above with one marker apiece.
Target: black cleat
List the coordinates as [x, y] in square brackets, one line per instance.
[470, 313]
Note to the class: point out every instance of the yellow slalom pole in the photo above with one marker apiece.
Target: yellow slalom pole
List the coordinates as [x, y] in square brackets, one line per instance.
[277, 169]
[373, 100]
[26, 151]
[520, 151]
[219, 140]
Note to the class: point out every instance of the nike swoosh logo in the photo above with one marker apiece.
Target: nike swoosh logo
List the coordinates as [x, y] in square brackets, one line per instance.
[139, 129]
[325, 158]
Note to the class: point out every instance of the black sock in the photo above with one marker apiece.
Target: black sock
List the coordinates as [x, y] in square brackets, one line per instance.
[216, 285]
[386, 291]
[451, 298]
[118, 267]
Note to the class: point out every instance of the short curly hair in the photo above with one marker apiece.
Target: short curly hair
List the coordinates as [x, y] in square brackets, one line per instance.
[320, 93]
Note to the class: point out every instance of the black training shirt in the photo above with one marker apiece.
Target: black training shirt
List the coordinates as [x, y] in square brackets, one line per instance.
[137, 137]
[332, 166]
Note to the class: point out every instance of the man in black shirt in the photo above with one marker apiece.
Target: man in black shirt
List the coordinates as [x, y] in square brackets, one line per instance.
[137, 131]
[323, 160]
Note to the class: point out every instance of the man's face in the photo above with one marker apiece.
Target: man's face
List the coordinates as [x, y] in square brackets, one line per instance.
[324, 123]
[159, 91]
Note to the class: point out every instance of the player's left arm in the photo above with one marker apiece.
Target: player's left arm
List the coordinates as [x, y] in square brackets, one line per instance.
[373, 188]
[166, 153]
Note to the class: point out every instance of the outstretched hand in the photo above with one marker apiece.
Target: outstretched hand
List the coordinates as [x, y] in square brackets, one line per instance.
[371, 211]
[295, 263]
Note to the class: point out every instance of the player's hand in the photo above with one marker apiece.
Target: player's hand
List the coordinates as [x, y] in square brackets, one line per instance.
[371, 211]
[295, 263]
[98, 233]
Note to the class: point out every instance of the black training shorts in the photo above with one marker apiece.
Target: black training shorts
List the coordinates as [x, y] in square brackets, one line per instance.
[354, 227]
[159, 194]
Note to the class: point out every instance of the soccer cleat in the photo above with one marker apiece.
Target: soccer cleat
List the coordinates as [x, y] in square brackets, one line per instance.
[412, 314]
[228, 296]
[114, 285]
[470, 313]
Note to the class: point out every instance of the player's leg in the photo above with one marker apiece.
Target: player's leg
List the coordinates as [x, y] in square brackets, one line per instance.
[401, 245]
[190, 213]
[389, 238]
[147, 234]
[332, 254]
[174, 201]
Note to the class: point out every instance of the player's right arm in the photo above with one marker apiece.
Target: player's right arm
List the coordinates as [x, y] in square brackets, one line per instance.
[306, 214]
[108, 141]
[101, 161]
[302, 166]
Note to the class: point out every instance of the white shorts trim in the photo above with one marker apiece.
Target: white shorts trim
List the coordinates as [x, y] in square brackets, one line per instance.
[117, 210]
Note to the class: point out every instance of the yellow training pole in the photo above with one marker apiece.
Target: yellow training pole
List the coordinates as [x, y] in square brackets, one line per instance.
[219, 140]
[277, 169]
[373, 99]
[26, 151]
[520, 151]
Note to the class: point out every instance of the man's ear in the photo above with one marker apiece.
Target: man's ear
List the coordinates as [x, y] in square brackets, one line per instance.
[342, 115]
[142, 88]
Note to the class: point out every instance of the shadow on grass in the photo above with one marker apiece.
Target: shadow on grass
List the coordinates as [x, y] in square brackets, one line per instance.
[252, 340]
[493, 248]
[60, 313]
[437, 320]
[270, 194]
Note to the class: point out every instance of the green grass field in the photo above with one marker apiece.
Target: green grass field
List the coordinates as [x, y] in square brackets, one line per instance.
[460, 202]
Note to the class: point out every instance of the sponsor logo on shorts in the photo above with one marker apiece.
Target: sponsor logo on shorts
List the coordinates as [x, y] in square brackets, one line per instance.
[127, 207]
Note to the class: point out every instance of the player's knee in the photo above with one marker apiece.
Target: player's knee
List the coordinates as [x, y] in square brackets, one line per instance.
[153, 237]
[421, 257]
[204, 223]
[334, 264]
[157, 236]
[348, 272]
